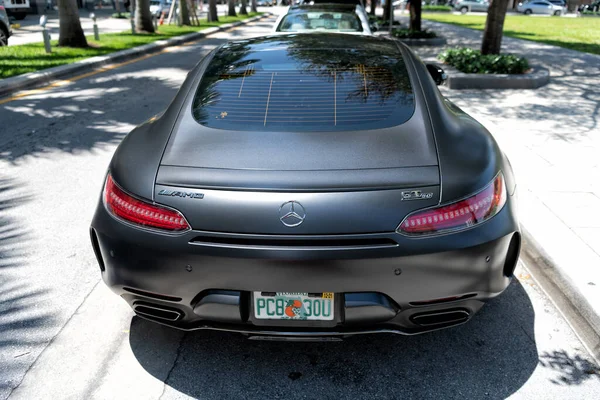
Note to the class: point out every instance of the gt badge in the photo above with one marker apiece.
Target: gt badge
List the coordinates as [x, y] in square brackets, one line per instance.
[416, 195]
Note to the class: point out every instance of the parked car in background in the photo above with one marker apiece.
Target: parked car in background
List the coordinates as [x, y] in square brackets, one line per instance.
[359, 3]
[5, 31]
[471, 5]
[342, 18]
[540, 7]
[17, 8]
[157, 7]
[264, 3]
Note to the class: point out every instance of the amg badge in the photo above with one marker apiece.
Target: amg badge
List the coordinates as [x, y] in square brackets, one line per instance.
[191, 195]
[416, 195]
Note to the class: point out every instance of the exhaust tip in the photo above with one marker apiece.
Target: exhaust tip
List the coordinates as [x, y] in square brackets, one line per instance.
[442, 317]
[157, 312]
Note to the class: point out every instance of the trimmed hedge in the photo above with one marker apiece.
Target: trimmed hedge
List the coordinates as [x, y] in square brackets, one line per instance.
[410, 34]
[473, 62]
[437, 9]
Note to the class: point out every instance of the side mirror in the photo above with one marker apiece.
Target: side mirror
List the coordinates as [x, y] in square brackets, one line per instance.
[437, 73]
[374, 27]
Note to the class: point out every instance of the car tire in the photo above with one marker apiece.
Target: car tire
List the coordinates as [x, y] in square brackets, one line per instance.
[3, 37]
[527, 12]
[20, 16]
[464, 10]
[557, 13]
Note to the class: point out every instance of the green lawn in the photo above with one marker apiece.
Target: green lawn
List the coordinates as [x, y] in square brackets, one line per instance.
[582, 34]
[16, 60]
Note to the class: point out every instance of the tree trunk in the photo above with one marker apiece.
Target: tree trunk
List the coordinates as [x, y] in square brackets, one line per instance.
[231, 11]
[212, 11]
[184, 14]
[415, 15]
[143, 18]
[387, 11]
[494, 25]
[373, 7]
[70, 32]
[243, 10]
[253, 6]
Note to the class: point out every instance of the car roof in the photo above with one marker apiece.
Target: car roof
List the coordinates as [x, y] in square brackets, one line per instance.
[323, 6]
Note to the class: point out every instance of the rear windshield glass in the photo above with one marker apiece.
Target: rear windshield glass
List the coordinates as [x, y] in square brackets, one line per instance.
[320, 20]
[303, 89]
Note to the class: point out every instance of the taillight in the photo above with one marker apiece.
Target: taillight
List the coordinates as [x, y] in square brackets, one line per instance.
[139, 212]
[460, 215]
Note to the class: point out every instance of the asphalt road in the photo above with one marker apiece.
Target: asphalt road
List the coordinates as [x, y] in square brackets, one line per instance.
[65, 335]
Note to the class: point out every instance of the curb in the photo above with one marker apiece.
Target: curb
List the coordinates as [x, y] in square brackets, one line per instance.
[10, 85]
[566, 296]
[457, 80]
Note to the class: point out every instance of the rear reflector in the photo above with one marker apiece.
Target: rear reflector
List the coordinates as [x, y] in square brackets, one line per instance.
[139, 212]
[459, 215]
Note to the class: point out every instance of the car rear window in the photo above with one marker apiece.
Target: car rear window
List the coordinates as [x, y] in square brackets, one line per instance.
[304, 89]
[320, 20]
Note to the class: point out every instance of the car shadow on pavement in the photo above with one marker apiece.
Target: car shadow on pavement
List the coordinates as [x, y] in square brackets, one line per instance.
[491, 356]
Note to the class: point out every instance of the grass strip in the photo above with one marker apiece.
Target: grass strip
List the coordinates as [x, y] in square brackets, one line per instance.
[31, 57]
[581, 34]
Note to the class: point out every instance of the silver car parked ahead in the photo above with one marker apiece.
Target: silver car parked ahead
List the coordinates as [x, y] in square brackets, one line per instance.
[5, 30]
[471, 5]
[540, 7]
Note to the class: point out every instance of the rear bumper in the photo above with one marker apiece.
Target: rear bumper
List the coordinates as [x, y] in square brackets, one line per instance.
[176, 281]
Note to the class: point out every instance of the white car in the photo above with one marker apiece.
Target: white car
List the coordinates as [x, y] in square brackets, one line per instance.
[339, 18]
[540, 7]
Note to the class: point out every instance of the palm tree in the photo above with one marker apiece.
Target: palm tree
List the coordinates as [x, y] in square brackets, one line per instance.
[184, 15]
[373, 7]
[253, 6]
[143, 18]
[494, 25]
[243, 10]
[212, 11]
[415, 15]
[231, 11]
[70, 32]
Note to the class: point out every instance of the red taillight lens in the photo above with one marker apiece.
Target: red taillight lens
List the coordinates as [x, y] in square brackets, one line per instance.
[460, 215]
[139, 212]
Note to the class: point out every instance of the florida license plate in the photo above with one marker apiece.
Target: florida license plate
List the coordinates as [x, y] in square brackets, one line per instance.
[294, 306]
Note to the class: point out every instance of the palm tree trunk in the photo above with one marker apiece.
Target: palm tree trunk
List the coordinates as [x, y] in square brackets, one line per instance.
[243, 10]
[373, 7]
[143, 18]
[415, 15]
[387, 11]
[184, 15]
[70, 33]
[212, 11]
[253, 6]
[231, 11]
[494, 25]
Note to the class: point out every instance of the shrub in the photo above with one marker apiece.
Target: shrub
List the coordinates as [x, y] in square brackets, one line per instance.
[410, 34]
[437, 8]
[473, 62]
[123, 15]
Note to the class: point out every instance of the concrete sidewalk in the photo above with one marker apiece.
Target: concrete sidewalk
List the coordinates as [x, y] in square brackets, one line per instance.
[552, 137]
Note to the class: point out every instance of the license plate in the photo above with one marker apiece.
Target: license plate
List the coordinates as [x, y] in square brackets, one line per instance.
[294, 306]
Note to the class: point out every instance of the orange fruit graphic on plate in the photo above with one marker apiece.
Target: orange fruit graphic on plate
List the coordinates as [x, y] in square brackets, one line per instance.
[292, 308]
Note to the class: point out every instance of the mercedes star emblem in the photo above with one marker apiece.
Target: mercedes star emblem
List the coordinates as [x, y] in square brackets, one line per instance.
[291, 213]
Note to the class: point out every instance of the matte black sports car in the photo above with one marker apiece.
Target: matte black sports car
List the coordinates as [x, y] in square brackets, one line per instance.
[308, 185]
